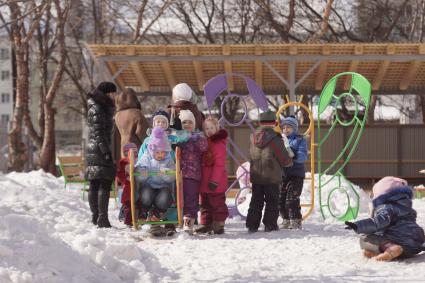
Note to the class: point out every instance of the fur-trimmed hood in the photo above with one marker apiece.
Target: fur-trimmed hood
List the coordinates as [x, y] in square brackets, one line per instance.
[127, 100]
[220, 135]
[400, 195]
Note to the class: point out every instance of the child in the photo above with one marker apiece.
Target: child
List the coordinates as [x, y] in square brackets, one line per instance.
[267, 158]
[183, 98]
[123, 177]
[161, 119]
[191, 157]
[155, 183]
[293, 177]
[392, 230]
[214, 180]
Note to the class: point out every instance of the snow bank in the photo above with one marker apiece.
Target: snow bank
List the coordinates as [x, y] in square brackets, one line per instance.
[46, 236]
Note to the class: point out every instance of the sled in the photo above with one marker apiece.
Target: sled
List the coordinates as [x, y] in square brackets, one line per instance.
[174, 213]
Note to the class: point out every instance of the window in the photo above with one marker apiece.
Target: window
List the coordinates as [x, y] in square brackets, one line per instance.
[5, 98]
[5, 75]
[4, 53]
[4, 119]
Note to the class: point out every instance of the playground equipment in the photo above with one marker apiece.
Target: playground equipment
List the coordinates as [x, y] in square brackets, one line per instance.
[174, 213]
[309, 131]
[212, 89]
[328, 98]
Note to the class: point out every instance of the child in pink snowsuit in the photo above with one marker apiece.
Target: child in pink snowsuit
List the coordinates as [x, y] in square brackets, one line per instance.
[191, 158]
[214, 180]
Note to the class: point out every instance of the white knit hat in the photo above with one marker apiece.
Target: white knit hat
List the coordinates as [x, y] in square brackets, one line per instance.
[187, 115]
[182, 91]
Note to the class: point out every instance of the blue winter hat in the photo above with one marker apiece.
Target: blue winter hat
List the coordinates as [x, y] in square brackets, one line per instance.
[291, 121]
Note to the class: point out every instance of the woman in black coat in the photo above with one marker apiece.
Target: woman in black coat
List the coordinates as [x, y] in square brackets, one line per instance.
[100, 169]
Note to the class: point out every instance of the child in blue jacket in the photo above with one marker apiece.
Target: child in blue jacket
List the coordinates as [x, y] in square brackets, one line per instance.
[392, 230]
[293, 177]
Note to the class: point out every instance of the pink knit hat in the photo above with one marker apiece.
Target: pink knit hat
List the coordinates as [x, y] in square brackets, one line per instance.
[126, 147]
[387, 184]
[158, 141]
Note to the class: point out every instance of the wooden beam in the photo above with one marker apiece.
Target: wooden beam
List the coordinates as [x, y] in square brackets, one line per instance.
[320, 77]
[259, 66]
[358, 49]
[199, 73]
[380, 74]
[138, 71]
[112, 70]
[411, 72]
[166, 67]
[228, 68]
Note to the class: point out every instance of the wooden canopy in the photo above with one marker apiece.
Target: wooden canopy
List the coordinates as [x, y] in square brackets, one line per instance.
[277, 68]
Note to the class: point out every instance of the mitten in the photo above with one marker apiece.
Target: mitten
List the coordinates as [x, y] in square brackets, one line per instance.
[212, 186]
[350, 226]
[108, 156]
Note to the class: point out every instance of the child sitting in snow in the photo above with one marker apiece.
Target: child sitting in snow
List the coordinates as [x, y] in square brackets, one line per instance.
[293, 177]
[157, 175]
[392, 230]
[191, 158]
[268, 156]
[161, 119]
[123, 177]
[214, 180]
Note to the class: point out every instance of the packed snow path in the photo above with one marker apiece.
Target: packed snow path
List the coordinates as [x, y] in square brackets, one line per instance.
[46, 236]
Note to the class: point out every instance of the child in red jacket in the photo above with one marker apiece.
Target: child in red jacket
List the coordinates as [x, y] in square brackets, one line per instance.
[124, 178]
[214, 180]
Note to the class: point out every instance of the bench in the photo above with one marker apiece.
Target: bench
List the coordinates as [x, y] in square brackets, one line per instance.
[72, 170]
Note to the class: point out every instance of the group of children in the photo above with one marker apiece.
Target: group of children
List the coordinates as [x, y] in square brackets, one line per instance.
[277, 175]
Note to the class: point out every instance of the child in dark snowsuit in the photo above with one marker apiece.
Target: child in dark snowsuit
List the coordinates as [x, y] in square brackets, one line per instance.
[392, 230]
[293, 177]
[268, 156]
[214, 210]
[123, 176]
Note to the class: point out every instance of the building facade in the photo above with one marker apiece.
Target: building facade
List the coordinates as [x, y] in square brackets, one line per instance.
[6, 83]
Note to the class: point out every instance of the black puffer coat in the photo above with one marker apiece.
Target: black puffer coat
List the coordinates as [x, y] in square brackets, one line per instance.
[99, 163]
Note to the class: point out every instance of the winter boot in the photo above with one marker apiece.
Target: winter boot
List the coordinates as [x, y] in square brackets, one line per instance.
[188, 223]
[252, 230]
[92, 196]
[103, 201]
[170, 230]
[285, 224]
[295, 224]
[157, 231]
[156, 216]
[269, 228]
[218, 227]
[204, 229]
[391, 252]
[369, 254]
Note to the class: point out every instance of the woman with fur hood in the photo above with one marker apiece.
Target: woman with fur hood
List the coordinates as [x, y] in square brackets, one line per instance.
[129, 119]
[392, 230]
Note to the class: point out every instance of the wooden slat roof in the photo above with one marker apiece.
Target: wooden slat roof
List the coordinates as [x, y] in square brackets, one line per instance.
[155, 69]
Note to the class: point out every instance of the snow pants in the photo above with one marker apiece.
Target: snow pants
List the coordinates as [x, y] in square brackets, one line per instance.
[268, 193]
[213, 208]
[289, 201]
[191, 197]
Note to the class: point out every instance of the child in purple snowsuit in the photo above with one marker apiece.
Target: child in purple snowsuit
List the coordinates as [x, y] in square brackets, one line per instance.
[191, 159]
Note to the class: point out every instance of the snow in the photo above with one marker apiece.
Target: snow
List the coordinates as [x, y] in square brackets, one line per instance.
[46, 236]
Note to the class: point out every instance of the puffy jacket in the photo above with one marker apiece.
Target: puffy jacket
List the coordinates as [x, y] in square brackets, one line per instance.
[299, 147]
[191, 156]
[99, 163]
[214, 163]
[268, 156]
[130, 121]
[395, 219]
[174, 137]
[147, 162]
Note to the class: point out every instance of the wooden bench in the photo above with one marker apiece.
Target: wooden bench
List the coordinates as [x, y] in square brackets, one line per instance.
[72, 170]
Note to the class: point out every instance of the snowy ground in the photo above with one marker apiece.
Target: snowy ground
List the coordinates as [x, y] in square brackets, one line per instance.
[45, 236]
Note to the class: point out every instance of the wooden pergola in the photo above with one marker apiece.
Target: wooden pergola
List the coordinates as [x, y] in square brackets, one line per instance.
[153, 70]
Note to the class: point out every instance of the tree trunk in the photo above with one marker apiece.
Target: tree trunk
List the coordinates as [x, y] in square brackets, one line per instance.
[17, 155]
[422, 106]
[48, 149]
